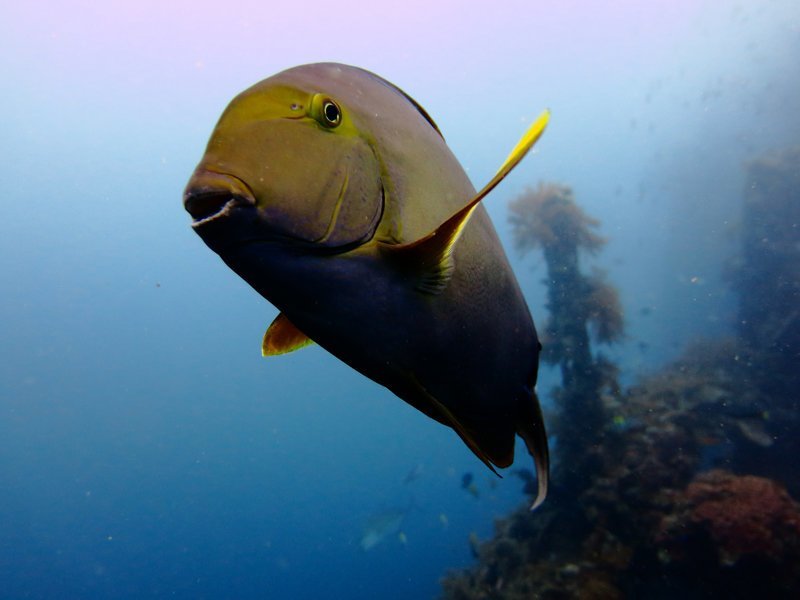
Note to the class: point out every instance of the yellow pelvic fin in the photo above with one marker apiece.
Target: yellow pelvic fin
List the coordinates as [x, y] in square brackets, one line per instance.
[283, 337]
[431, 255]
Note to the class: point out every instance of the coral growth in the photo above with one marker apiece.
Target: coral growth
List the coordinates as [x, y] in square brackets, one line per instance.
[548, 218]
[604, 309]
[646, 526]
[766, 274]
[746, 517]
[643, 509]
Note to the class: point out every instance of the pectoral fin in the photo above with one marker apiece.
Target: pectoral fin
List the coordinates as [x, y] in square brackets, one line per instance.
[431, 257]
[283, 337]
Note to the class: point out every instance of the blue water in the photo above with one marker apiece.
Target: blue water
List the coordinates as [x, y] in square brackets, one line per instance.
[146, 448]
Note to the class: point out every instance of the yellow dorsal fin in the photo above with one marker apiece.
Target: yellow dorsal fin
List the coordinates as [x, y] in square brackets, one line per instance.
[283, 337]
[431, 255]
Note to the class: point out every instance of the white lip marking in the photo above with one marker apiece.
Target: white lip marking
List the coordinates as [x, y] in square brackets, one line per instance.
[226, 208]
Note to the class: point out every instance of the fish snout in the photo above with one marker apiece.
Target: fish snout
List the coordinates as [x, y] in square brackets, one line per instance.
[210, 195]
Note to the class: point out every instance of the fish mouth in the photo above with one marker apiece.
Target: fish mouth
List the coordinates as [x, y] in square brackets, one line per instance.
[210, 196]
[226, 214]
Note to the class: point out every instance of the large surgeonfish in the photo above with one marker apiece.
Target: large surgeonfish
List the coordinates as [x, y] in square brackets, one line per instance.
[333, 194]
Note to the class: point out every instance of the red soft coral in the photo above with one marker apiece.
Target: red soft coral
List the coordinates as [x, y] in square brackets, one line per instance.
[745, 515]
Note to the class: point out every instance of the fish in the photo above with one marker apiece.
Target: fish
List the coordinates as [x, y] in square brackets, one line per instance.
[529, 480]
[334, 195]
[756, 432]
[474, 544]
[381, 526]
[468, 484]
[414, 474]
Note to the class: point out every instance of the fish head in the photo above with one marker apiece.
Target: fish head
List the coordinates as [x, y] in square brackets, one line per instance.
[289, 162]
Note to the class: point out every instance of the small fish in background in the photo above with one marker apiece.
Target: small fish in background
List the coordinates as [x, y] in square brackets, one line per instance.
[414, 474]
[382, 525]
[468, 484]
[755, 431]
[529, 480]
[622, 423]
[444, 520]
[334, 195]
[474, 544]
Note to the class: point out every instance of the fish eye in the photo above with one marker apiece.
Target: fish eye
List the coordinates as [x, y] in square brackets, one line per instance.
[325, 111]
[331, 113]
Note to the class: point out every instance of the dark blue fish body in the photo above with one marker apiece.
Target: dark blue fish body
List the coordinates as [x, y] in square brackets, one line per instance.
[334, 195]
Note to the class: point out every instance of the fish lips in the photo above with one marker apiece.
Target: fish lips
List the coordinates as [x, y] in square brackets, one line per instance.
[223, 208]
[210, 196]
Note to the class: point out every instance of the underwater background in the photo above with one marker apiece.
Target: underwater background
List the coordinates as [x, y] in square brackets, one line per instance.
[146, 447]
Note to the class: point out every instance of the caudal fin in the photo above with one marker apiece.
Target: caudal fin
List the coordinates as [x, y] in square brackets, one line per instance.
[530, 427]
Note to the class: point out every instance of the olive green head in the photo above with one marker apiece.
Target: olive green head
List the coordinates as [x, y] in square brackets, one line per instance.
[301, 157]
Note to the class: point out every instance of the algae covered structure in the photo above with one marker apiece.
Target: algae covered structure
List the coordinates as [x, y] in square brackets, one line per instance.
[691, 490]
[581, 308]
